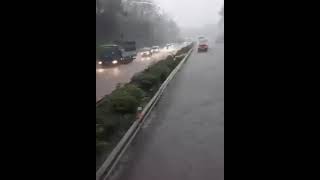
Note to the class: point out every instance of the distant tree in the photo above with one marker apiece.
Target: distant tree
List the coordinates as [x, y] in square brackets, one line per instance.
[139, 20]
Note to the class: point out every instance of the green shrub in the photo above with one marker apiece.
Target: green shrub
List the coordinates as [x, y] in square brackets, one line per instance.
[99, 131]
[136, 77]
[133, 91]
[124, 103]
[171, 63]
[101, 146]
[126, 98]
[146, 80]
[179, 58]
[128, 89]
[98, 119]
[149, 80]
[160, 70]
[170, 58]
[110, 126]
[184, 50]
[154, 74]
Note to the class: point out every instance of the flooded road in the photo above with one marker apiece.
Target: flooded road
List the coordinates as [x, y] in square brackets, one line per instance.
[108, 78]
[183, 138]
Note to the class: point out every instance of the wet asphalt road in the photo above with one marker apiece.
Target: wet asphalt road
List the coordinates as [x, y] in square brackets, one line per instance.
[183, 139]
[108, 78]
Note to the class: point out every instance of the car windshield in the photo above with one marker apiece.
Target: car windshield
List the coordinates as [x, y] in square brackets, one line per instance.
[109, 50]
[129, 45]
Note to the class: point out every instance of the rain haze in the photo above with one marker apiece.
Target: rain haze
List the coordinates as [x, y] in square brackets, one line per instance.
[159, 89]
[191, 13]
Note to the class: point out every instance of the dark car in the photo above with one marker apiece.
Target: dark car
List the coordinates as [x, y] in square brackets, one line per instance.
[126, 45]
[113, 54]
[110, 55]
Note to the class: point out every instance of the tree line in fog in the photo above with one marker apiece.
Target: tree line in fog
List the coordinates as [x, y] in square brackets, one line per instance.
[142, 21]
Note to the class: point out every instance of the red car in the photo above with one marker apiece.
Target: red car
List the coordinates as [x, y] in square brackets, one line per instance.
[203, 45]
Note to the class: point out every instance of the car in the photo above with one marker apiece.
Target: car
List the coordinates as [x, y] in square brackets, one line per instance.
[186, 43]
[146, 52]
[128, 49]
[168, 45]
[155, 49]
[112, 54]
[203, 45]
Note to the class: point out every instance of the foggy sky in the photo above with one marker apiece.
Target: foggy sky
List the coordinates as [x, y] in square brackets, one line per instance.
[192, 13]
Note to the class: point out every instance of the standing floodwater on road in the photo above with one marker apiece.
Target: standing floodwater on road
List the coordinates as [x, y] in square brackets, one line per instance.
[107, 78]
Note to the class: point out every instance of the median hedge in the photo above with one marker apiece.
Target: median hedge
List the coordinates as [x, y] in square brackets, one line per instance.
[126, 99]
[117, 111]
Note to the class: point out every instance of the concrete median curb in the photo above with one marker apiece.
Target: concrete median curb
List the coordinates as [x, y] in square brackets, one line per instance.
[112, 160]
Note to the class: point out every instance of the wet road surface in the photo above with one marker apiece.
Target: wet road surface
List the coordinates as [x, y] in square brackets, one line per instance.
[183, 139]
[108, 78]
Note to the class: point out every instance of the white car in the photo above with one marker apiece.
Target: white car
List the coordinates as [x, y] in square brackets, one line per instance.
[146, 52]
[155, 49]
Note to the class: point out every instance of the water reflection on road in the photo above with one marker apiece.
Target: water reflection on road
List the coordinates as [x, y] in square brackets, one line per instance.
[107, 78]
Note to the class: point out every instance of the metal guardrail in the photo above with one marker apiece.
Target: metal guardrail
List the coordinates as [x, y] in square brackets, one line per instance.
[110, 163]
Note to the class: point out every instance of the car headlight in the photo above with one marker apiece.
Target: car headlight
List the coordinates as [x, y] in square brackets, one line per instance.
[114, 62]
[100, 62]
